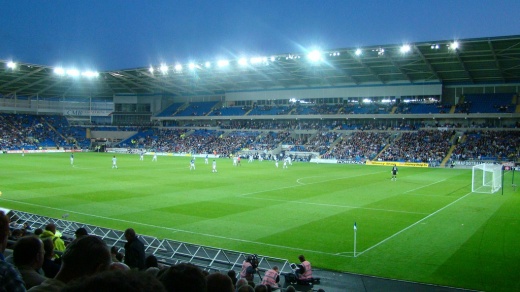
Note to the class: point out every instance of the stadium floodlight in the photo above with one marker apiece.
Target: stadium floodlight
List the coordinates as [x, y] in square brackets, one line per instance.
[11, 65]
[242, 61]
[207, 65]
[59, 71]
[255, 60]
[164, 69]
[359, 52]
[454, 45]
[73, 72]
[272, 58]
[314, 56]
[405, 49]
[90, 74]
[151, 69]
[178, 67]
[223, 63]
[191, 66]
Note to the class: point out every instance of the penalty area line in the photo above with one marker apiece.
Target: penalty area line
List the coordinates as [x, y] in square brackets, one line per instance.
[333, 179]
[339, 206]
[424, 186]
[406, 228]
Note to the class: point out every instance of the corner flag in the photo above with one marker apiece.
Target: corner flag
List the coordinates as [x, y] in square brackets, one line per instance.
[355, 233]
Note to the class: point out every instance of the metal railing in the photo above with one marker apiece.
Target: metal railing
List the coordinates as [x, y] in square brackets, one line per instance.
[167, 251]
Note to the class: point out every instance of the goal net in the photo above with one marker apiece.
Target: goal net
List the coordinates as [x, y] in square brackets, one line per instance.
[486, 178]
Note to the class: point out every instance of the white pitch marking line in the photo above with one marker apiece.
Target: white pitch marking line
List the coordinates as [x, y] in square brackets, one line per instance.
[424, 186]
[339, 206]
[176, 230]
[345, 177]
[301, 184]
[401, 231]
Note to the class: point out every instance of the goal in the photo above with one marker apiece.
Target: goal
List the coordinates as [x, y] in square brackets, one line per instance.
[486, 178]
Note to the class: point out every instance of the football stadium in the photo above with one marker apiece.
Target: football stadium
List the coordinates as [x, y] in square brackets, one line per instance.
[388, 167]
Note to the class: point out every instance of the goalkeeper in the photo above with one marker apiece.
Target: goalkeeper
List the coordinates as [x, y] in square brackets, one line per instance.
[394, 172]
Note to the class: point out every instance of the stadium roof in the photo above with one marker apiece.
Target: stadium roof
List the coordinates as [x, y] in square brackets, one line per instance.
[493, 60]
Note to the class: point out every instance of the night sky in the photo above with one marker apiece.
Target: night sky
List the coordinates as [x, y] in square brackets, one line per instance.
[110, 34]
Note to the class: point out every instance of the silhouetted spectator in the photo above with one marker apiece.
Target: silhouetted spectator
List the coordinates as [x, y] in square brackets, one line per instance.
[118, 266]
[38, 231]
[245, 288]
[84, 256]
[50, 267]
[28, 256]
[233, 276]
[218, 282]
[241, 282]
[134, 250]
[117, 281]
[11, 280]
[151, 261]
[183, 277]
[113, 254]
[80, 232]
[262, 288]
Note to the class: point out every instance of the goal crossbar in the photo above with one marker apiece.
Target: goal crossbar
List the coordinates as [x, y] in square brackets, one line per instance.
[486, 178]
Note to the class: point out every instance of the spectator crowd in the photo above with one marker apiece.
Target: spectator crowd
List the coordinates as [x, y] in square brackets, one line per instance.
[44, 260]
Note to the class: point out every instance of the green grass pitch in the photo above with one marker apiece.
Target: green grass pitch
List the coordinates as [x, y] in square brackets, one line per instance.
[427, 226]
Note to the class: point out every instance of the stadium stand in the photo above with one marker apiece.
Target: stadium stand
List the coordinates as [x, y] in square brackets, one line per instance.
[490, 103]
[197, 109]
[170, 110]
[331, 138]
[229, 111]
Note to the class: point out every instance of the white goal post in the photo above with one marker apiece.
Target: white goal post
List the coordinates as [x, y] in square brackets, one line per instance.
[486, 178]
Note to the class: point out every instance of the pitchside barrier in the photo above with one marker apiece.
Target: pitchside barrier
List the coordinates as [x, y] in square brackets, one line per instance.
[167, 251]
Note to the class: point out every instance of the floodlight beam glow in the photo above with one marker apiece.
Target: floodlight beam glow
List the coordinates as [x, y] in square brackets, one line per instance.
[314, 56]
[164, 69]
[90, 74]
[454, 45]
[222, 63]
[405, 49]
[242, 61]
[59, 71]
[255, 60]
[72, 72]
[11, 65]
